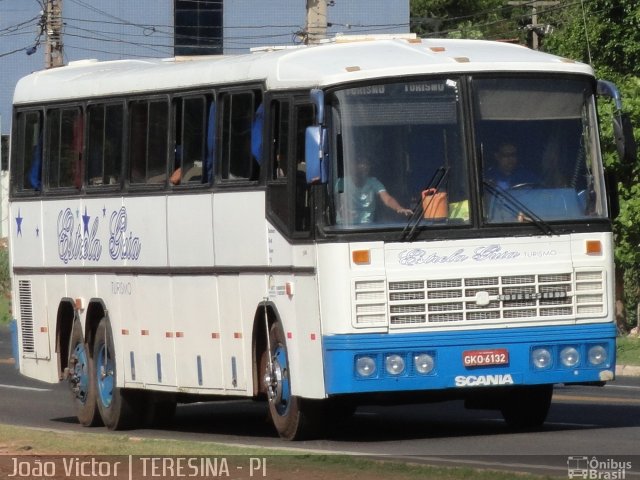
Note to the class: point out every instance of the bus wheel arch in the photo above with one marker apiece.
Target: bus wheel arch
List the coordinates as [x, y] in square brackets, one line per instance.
[266, 315]
[294, 417]
[96, 311]
[66, 318]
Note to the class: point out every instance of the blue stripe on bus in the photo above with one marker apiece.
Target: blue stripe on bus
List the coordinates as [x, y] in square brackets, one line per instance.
[342, 351]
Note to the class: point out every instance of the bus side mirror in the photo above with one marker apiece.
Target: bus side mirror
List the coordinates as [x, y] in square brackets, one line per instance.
[622, 128]
[625, 141]
[314, 154]
[611, 184]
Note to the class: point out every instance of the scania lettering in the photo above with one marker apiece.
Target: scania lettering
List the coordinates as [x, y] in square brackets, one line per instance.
[483, 380]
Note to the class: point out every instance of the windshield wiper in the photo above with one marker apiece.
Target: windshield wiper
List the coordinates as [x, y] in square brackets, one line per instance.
[518, 208]
[408, 232]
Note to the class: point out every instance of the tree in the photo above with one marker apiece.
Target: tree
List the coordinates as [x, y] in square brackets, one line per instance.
[488, 19]
[606, 34]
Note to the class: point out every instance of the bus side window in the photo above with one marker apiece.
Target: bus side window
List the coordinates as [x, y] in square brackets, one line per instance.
[304, 117]
[28, 155]
[190, 140]
[104, 144]
[239, 112]
[64, 145]
[279, 158]
[148, 141]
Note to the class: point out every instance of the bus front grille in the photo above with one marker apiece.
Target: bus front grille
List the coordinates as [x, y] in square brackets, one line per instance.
[496, 299]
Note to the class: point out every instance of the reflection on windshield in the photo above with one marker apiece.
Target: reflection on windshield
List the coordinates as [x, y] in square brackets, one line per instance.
[538, 149]
[390, 141]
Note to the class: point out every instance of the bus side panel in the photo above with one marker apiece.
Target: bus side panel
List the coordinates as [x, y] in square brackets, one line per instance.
[138, 232]
[196, 323]
[239, 230]
[36, 329]
[190, 230]
[156, 329]
[231, 332]
[305, 346]
[27, 234]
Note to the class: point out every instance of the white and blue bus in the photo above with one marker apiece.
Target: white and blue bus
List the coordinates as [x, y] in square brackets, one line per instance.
[320, 227]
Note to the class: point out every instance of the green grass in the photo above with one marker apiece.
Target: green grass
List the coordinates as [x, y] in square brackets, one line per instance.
[628, 351]
[282, 464]
[5, 309]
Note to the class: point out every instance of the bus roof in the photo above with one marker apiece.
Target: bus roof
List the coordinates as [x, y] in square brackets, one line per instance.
[345, 59]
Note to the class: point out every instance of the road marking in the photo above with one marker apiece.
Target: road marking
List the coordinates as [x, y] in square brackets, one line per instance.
[623, 387]
[594, 399]
[33, 389]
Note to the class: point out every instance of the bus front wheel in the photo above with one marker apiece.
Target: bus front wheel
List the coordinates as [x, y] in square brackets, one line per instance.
[117, 406]
[294, 417]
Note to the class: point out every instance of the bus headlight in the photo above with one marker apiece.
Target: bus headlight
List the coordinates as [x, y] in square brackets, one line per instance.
[541, 358]
[394, 364]
[569, 356]
[424, 363]
[365, 366]
[597, 355]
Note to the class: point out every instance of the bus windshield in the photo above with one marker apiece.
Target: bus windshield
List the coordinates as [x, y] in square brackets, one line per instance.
[399, 148]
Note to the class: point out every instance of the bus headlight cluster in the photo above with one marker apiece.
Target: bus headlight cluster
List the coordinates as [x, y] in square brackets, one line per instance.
[570, 356]
[395, 364]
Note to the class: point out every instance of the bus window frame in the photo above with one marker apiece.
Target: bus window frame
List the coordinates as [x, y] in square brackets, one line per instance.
[47, 189]
[17, 160]
[295, 101]
[210, 98]
[146, 186]
[118, 186]
[223, 92]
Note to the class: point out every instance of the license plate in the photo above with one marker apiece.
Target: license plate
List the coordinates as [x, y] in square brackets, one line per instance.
[483, 358]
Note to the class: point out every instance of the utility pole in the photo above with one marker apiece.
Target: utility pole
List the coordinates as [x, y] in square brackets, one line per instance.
[316, 21]
[535, 28]
[53, 48]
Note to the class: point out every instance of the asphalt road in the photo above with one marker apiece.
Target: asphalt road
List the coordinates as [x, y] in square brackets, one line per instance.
[583, 422]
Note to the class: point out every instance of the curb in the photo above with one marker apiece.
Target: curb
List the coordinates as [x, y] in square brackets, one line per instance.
[627, 371]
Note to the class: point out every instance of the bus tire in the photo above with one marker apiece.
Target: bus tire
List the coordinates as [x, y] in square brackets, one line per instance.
[527, 407]
[294, 418]
[118, 407]
[82, 381]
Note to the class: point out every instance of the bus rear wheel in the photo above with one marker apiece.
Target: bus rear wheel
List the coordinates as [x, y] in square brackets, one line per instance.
[118, 407]
[294, 418]
[82, 382]
[527, 407]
